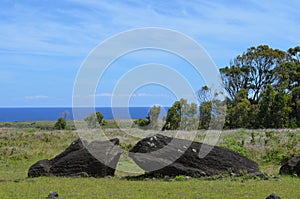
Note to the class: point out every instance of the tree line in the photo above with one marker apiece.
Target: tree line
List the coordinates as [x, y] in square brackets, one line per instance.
[263, 89]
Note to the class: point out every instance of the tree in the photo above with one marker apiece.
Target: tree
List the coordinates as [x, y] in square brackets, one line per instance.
[295, 52]
[239, 114]
[265, 107]
[60, 124]
[204, 94]
[253, 71]
[274, 109]
[100, 117]
[94, 119]
[151, 121]
[173, 117]
[281, 110]
[235, 77]
[153, 117]
[189, 120]
[263, 88]
[288, 76]
[295, 105]
[181, 115]
[205, 115]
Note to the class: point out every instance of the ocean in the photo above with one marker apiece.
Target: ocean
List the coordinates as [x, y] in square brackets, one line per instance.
[37, 114]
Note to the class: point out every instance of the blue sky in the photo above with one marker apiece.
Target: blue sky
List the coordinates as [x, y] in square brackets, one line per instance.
[44, 42]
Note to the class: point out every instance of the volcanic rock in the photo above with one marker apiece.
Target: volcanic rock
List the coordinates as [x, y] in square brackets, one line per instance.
[273, 196]
[291, 166]
[160, 155]
[53, 195]
[95, 159]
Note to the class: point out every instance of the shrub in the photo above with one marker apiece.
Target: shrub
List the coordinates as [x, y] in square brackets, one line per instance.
[94, 119]
[60, 124]
[141, 122]
[180, 178]
[151, 120]
[233, 144]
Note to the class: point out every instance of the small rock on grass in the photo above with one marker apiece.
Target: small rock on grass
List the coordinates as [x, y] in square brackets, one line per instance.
[53, 195]
[273, 196]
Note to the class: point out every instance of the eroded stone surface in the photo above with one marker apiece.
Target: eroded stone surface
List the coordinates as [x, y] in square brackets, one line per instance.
[291, 166]
[161, 155]
[81, 159]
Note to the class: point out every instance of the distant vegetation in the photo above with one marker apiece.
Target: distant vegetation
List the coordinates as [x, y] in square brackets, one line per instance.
[95, 119]
[262, 88]
[151, 121]
[60, 124]
[182, 115]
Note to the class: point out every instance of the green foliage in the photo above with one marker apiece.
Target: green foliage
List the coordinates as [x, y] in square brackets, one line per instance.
[141, 122]
[173, 117]
[180, 178]
[181, 115]
[100, 120]
[153, 117]
[278, 149]
[274, 109]
[263, 88]
[239, 111]
[126, 146]
[91, 120]
[233, 144]
[252, 141]
[151, 121]
[60, 124]
[252, 71]
[295, 105]
[205, 115]
[94, 120]
[189, 118]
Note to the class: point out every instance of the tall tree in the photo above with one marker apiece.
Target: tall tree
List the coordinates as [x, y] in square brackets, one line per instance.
[205, 115]
[295, 105]
[153, 117]
[265, 107]
[239, 111]
[188, 111]
[173, 117]
[252, 71]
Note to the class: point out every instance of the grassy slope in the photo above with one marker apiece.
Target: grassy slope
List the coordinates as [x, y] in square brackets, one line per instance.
[21, 147]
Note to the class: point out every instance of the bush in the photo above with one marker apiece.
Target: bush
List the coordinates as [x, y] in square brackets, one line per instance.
[151, 120]
[100, 120]
[180, 178]
[233, 144]
[60, 124]
[141, 122]
[94, 119]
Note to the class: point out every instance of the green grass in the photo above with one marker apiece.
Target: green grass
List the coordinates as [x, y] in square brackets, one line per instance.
[21, 145]
[286, 187]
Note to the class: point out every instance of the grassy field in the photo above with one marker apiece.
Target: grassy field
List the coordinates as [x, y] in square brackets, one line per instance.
[22, 144]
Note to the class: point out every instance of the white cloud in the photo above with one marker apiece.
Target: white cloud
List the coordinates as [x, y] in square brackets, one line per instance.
[150, 95]
[131, 95]
[104, 95]
[36, 97]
